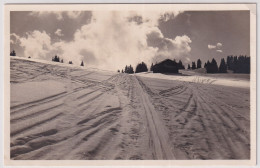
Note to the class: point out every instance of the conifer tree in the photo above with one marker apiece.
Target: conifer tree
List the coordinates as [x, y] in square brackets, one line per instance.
[131, 70]
[193, 65]
[142, 67]
[13, 53]
[222, 66]
[212, 66]
[180, 65]
[82, 63]
[151, 69]
[198, 63]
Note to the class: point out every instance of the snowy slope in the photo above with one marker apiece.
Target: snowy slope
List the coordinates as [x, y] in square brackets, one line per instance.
[60, 111]
[238, 80]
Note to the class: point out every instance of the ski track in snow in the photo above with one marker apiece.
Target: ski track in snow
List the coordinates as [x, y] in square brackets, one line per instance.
[104, 115]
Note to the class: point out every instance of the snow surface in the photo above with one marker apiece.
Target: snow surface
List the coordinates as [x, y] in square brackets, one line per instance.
[66, 112]
[34, 91]
[187, 76]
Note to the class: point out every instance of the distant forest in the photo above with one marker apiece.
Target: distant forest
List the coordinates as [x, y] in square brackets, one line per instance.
[235, 64]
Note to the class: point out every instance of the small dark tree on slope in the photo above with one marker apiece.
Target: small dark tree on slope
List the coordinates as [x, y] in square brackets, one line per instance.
[13, 53]
[82, 63]
[56, 58]
[131, 69]
[70, 62]
[193, 65]
[126, 69]
[188, 66]
[151, 69]
[198, 63]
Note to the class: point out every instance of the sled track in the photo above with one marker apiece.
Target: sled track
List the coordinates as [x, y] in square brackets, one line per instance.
[158, 135]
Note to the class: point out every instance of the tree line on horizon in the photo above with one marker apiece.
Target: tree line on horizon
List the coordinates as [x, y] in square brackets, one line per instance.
[237, 64]
[54, 59]
[57, 59]
[165, 66]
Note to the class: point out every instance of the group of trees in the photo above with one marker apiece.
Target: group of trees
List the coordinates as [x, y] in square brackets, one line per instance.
[211, 67]
[142, 67]
[236, 64]
[57, 59]
[239, 64]
[128, 69]
[54, 59]
[166, 66]
[13, 53]
[193, 65]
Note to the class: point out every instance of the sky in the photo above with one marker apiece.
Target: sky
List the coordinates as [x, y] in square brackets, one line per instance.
[112, 39]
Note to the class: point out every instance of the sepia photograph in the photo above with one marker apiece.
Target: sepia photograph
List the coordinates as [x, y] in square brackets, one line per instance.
[131, 82]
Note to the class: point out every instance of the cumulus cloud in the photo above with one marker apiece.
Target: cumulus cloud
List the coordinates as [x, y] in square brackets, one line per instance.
[218, 47]
[58, 32]
[168, 48]
[36, 44]
[14, 38]
[73, 14]
[112, 40]
[58, 14]
[211, 46]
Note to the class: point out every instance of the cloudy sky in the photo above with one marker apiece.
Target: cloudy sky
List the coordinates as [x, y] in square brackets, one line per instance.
[112, 39]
